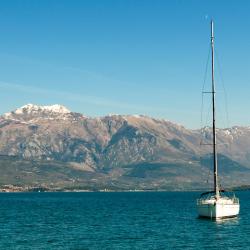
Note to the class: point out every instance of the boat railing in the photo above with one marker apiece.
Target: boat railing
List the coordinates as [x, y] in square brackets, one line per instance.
[201, 201]
[236, 200]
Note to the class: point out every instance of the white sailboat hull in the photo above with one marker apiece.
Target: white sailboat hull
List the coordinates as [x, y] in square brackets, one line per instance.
[217, 209]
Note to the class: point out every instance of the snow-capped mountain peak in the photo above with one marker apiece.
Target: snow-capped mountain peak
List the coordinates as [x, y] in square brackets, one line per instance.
[32, 108]
[35, 108]
[30, 111]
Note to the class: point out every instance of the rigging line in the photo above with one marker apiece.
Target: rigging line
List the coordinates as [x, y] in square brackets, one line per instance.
[202, 101]
[223, 86]
[203, 86]
[206, 123]
[209, 177]
[203, 138]
[206, 69]
[226, 99]
[222, 119]
[208, 114]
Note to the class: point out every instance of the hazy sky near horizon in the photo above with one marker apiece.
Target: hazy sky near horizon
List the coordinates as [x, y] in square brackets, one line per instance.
[125, 56]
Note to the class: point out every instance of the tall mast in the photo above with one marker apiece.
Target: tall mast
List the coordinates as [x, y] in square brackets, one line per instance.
[216, 187]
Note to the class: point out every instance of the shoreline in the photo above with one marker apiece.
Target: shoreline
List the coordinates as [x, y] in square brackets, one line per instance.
[116, 191]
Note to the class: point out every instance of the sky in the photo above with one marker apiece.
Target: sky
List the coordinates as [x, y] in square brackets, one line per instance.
[145, 57]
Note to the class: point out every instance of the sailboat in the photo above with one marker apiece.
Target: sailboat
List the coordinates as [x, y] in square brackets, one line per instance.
[215, 204]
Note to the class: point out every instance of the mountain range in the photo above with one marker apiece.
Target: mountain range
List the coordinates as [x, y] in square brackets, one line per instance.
[51, 146]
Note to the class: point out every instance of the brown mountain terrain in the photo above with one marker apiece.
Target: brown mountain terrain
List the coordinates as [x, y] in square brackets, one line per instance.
[53, 147]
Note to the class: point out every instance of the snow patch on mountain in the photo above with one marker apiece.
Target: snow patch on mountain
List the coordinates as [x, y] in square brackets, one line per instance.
[56, 108]
[35, 109]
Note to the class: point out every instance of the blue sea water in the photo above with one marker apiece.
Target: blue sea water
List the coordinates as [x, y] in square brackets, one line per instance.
[151, 220]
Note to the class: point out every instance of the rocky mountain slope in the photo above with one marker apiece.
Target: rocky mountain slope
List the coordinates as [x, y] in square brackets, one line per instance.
[115, 151]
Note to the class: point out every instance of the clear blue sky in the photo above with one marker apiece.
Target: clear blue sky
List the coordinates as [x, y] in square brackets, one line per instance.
[125, 57]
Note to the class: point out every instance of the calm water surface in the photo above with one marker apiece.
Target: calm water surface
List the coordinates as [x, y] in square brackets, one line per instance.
[116, 221]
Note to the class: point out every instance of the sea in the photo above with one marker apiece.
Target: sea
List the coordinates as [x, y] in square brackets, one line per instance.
[118, 220]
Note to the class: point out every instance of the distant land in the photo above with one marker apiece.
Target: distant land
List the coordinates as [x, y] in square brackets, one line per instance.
[50, 148]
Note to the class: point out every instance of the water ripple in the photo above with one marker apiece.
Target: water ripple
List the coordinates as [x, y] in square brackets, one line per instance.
[116, 221]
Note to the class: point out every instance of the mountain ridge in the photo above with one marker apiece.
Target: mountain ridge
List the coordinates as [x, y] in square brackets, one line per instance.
[120, 148]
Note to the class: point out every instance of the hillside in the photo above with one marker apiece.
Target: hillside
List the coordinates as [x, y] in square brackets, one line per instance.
[52, 146]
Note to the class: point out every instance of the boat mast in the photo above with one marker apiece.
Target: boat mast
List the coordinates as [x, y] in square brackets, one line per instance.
[216, 187]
